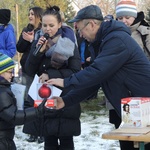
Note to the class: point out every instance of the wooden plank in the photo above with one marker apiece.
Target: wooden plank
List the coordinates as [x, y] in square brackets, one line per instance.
[144, 130]
[139, 137]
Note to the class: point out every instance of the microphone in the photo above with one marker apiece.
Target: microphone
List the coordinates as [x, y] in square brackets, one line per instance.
[46, 36]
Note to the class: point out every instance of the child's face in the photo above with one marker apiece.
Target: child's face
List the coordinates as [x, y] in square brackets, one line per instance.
[127, 108]
[7, 75]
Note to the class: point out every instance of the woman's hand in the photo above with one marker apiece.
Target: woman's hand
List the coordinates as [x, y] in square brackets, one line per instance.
[42, 41]
[57, 81]
[43, 78]
[28, 36]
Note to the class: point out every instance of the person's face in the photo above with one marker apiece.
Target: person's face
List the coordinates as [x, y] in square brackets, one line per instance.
[7, 75]
[127, 20]
[50, 25]
[87, 30]
[127, 108]
[31, 17]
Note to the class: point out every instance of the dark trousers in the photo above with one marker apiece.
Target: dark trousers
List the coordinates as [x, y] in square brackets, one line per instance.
[58, 143]
[124, 145]
[7, 144]
[27, 81]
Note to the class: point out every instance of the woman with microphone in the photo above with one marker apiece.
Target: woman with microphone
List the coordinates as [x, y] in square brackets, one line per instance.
[58, 57]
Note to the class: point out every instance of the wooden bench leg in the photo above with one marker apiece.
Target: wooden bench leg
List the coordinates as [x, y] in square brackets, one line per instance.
[141, 146]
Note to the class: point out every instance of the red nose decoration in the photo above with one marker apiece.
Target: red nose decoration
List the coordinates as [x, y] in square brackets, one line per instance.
[44, 91]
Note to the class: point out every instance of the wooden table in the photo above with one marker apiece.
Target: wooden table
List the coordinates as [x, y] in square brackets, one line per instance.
[137, 135]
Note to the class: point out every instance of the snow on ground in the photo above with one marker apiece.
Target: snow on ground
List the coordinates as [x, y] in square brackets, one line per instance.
[93, 125]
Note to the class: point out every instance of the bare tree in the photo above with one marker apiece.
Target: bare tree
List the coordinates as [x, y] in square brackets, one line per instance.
[108, 6]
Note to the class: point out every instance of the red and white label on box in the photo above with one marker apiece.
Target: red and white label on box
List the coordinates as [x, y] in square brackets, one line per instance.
[50, 103]
[135, 111]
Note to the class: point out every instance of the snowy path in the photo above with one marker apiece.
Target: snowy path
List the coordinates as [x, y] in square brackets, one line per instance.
[93, 126]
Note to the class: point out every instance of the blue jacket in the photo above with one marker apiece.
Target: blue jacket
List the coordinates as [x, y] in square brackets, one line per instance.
[7, 40]
[120, 68]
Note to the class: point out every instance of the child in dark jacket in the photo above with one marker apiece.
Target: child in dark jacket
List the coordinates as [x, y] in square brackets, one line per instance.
[9, 113]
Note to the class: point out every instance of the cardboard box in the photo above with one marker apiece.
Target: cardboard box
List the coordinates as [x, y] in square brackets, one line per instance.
[135, 112]
[51, 103]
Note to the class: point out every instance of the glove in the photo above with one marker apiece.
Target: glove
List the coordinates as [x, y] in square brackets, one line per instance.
[30, 114]
[41, 108]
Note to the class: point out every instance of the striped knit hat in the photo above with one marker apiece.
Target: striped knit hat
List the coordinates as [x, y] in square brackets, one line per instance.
[126, 8]
[6, 63]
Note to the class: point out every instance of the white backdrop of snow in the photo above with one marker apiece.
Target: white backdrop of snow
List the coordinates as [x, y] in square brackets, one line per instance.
[92, 129]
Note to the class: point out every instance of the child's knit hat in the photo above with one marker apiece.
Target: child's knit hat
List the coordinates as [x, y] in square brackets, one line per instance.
[6, 63]
[126, 8]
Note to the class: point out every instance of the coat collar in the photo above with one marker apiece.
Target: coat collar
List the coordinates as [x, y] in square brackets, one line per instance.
[3, 81]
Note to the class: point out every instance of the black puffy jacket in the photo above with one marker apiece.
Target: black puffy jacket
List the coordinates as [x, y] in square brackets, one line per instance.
[65, 122]
[9, 114]
[24, 46]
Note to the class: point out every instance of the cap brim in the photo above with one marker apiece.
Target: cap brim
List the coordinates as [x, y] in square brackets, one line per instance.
[74, 20]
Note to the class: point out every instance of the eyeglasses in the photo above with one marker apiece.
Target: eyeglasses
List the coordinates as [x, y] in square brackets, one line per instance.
[10, 72]
[80, 30]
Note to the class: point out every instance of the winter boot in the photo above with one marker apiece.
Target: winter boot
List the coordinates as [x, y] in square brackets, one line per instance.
[51, 148]
[32, 138]
[65, 148]
[40, 139]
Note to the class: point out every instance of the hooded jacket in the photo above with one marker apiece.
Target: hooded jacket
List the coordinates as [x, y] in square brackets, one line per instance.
[139, 29]
[120, 68]
[7, 40]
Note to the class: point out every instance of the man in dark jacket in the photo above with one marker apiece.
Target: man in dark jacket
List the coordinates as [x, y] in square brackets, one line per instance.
[119, 67]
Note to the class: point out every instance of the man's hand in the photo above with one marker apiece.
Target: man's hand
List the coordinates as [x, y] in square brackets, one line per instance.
[60, 103]
[57, 81]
